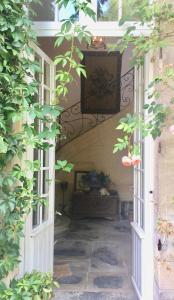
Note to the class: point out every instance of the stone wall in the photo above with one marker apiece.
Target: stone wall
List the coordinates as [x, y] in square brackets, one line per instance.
[164, 193]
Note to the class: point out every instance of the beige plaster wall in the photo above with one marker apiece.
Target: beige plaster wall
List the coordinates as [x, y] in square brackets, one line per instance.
[47, 45]
[93, 150]
[164, 193]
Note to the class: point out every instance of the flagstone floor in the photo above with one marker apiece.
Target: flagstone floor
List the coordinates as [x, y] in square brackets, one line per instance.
[93, 261]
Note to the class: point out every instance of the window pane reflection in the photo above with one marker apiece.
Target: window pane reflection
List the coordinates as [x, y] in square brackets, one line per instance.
[129, 12]
[107, 10]
[69, 11]
[45, 11]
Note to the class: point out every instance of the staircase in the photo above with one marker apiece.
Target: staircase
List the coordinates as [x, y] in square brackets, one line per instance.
[74, 123]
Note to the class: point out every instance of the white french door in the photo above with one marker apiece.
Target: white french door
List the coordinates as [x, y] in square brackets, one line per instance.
[142, 225]
[39, 228]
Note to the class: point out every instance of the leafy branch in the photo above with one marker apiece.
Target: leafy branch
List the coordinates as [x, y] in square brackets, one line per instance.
[159, 18]
[18, 99]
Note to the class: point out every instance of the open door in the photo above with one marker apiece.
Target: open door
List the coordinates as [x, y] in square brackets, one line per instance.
[142, 225]
[39, 228]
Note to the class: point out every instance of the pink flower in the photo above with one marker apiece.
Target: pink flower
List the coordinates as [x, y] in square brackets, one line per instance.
[126, 161]
[136, 159]
[171, 129]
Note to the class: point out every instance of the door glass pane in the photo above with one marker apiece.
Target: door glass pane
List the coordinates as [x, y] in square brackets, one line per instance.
[36, 154]
[46, 129]
[136, 182]
[45, 209]
[36, 182]
[38, 74]
[45, 11]
[36, 174]
[46, 74]
[45, 186]
[139, 212]
[107, 10]
[36, 216]
[142, 215]
[69, 11]
[46, 158]
[142, 186]
[46, 96]
[136, 209]
[142, 155]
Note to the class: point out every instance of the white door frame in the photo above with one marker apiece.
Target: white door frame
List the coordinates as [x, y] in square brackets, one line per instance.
[32, 241]
[145, 249]
[146, 235]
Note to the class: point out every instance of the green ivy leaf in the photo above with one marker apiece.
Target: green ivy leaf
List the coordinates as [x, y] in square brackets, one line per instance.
[3, 145]
[64, 166]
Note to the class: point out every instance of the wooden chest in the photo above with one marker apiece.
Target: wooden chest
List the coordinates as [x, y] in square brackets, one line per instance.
[85, 205]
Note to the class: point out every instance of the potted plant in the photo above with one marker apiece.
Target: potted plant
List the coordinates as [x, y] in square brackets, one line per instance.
[94, 180]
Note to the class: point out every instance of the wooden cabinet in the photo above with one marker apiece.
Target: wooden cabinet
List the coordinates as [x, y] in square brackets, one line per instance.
[94, 206]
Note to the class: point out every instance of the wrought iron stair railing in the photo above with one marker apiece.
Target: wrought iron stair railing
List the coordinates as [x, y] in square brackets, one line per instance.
[74, 123]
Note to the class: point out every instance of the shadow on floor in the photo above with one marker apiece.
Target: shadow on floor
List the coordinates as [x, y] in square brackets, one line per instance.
[93, 260]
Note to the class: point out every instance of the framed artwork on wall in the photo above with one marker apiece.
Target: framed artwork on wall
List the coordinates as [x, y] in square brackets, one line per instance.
[100, 91]
[78, 184]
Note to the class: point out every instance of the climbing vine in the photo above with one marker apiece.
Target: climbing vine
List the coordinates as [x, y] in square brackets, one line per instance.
[156, 115]
[18, 103]
[159, 19]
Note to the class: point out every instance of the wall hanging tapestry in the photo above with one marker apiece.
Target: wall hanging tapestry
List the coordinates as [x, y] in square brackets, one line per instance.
[100, 91]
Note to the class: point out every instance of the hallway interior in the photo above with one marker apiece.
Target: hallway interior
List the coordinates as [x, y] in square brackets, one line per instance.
[93, 260]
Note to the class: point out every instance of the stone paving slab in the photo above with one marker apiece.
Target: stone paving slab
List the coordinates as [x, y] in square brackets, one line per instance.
[92, 296]
[98, 255]
[68, 249]
[79, 280]
[110, 281]
[75, 265]
[95, 230]
[106, 258]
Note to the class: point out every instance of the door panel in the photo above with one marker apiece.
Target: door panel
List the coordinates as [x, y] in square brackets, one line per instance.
[39, 227]
[142, 225]
[137, 262]
[43, 259]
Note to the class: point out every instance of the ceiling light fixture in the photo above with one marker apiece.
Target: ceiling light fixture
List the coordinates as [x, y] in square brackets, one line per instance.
[97, 43]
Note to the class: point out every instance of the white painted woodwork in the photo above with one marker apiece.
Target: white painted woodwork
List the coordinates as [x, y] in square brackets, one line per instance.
[37, 251]
[98, 28]
[142, 225]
